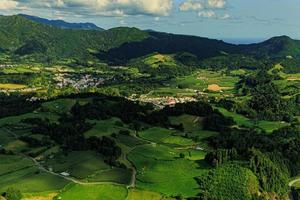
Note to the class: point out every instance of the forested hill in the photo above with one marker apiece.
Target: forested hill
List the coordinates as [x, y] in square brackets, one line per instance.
[21, 36]
[25, 37]
[63, 24]
[276, 47]
[281, 46]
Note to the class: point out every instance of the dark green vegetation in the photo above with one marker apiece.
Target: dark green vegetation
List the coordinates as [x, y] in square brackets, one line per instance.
[130, 115]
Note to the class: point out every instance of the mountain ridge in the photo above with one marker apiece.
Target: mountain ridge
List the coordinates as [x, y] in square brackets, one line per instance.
[63, 24]
[119, 45]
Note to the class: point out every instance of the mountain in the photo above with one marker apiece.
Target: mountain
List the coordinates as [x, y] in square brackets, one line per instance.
[166, 43]
[276, 47]
[63, 24]
[22, 36]
[280, 46]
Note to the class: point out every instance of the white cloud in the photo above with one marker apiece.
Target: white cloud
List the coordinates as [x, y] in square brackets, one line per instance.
[191, 5]
[216, 3]
[104, 7]
[8, 4]
[207, 14]
[210, 14]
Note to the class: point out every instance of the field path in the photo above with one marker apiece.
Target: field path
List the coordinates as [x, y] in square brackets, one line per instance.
[293, 182]
[132, 167]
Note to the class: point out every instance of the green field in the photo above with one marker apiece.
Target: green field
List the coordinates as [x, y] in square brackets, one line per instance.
[161, 135]
[105, 127]
[96, 192]
[79, 164]
[20, 172]
[161, 170]
[241, 120]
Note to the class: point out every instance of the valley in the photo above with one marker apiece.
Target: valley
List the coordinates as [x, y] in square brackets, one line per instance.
[126, 114]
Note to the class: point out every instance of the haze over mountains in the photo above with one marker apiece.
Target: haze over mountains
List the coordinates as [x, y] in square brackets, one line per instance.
[23, 35]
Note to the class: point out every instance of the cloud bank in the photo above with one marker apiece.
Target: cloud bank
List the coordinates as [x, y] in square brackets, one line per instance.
[96, 7]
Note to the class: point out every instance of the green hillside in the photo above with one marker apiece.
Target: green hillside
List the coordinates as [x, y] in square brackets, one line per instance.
[23, 37]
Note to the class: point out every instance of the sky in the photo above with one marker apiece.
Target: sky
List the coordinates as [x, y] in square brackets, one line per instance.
[231, 20]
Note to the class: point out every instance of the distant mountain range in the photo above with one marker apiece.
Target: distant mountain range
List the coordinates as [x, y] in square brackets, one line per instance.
[24, 36]
[63, 24]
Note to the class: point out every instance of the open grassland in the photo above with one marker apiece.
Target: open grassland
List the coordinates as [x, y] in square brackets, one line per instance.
[96, 192]
[161, 170]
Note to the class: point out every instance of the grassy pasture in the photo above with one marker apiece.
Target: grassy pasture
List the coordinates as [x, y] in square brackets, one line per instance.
[162, 135]
[105, 127]
[241, 120]
[116, 175]
[129, 141]
[136, 194]
[160, 170]
[21, 173]
[93, 192]
[79, 164]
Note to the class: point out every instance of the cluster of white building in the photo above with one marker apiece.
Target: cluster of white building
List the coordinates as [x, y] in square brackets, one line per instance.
[83, 82]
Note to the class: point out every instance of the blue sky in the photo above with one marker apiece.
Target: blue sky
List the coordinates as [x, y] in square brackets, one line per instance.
[230, 19]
